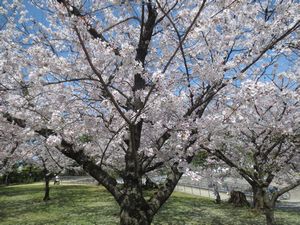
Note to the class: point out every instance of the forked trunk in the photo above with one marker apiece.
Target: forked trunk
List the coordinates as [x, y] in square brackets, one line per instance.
[47, 189]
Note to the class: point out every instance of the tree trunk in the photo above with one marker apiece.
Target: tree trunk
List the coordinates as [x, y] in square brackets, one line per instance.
[134, 208]
[263, 202]
[238, 198]
[7, 179]
[258, 198]
[217, 194]
[218, 198]
[133, 215]
[47, 189]
[270, 216]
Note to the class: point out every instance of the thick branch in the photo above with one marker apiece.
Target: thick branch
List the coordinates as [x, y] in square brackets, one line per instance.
[146, 34]
[230, 163]
[90, 166]
[166, 190]
[68, 150]
[144, 41]
[286, 189]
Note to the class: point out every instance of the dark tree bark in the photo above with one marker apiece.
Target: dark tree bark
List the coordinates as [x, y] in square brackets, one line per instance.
[218, 198]
[134, 217]
[238, 198]
[269, 206]
[264, 202]
[47, 188]
[7, 179]
[134, 209]
[258, 198]
[47, 178]
[217, 194]
[269, 213]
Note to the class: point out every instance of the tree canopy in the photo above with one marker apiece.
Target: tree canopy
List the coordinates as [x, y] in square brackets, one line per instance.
[124, 87]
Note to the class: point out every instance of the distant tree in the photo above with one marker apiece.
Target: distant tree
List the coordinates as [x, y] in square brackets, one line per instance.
[48, 159]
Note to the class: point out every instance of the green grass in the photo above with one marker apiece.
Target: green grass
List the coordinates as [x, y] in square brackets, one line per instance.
[90, 205]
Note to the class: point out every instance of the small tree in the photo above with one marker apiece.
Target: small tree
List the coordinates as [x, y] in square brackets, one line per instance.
[49, 159]
[35, 152]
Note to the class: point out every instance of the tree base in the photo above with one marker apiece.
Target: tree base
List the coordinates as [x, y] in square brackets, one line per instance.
[238, 198]
[218, 199]
[46, 199]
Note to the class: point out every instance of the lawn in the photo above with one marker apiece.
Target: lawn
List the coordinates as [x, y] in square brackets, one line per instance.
[90, 205]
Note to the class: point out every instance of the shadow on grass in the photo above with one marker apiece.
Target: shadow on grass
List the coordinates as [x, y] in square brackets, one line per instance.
[83, 204]
[183, 209]
[68, 205]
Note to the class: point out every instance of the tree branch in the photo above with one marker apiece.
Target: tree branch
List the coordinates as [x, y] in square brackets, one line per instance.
[111, 97]
[185, 35]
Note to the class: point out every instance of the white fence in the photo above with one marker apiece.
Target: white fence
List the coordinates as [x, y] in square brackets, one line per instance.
[187, 185]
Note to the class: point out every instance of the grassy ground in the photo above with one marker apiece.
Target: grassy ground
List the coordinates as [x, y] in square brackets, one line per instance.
[90, 205]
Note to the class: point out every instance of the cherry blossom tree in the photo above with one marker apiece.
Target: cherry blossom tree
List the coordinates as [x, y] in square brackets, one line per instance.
[50, 160]
[257, 133]
[121, 86]
[33, 150]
